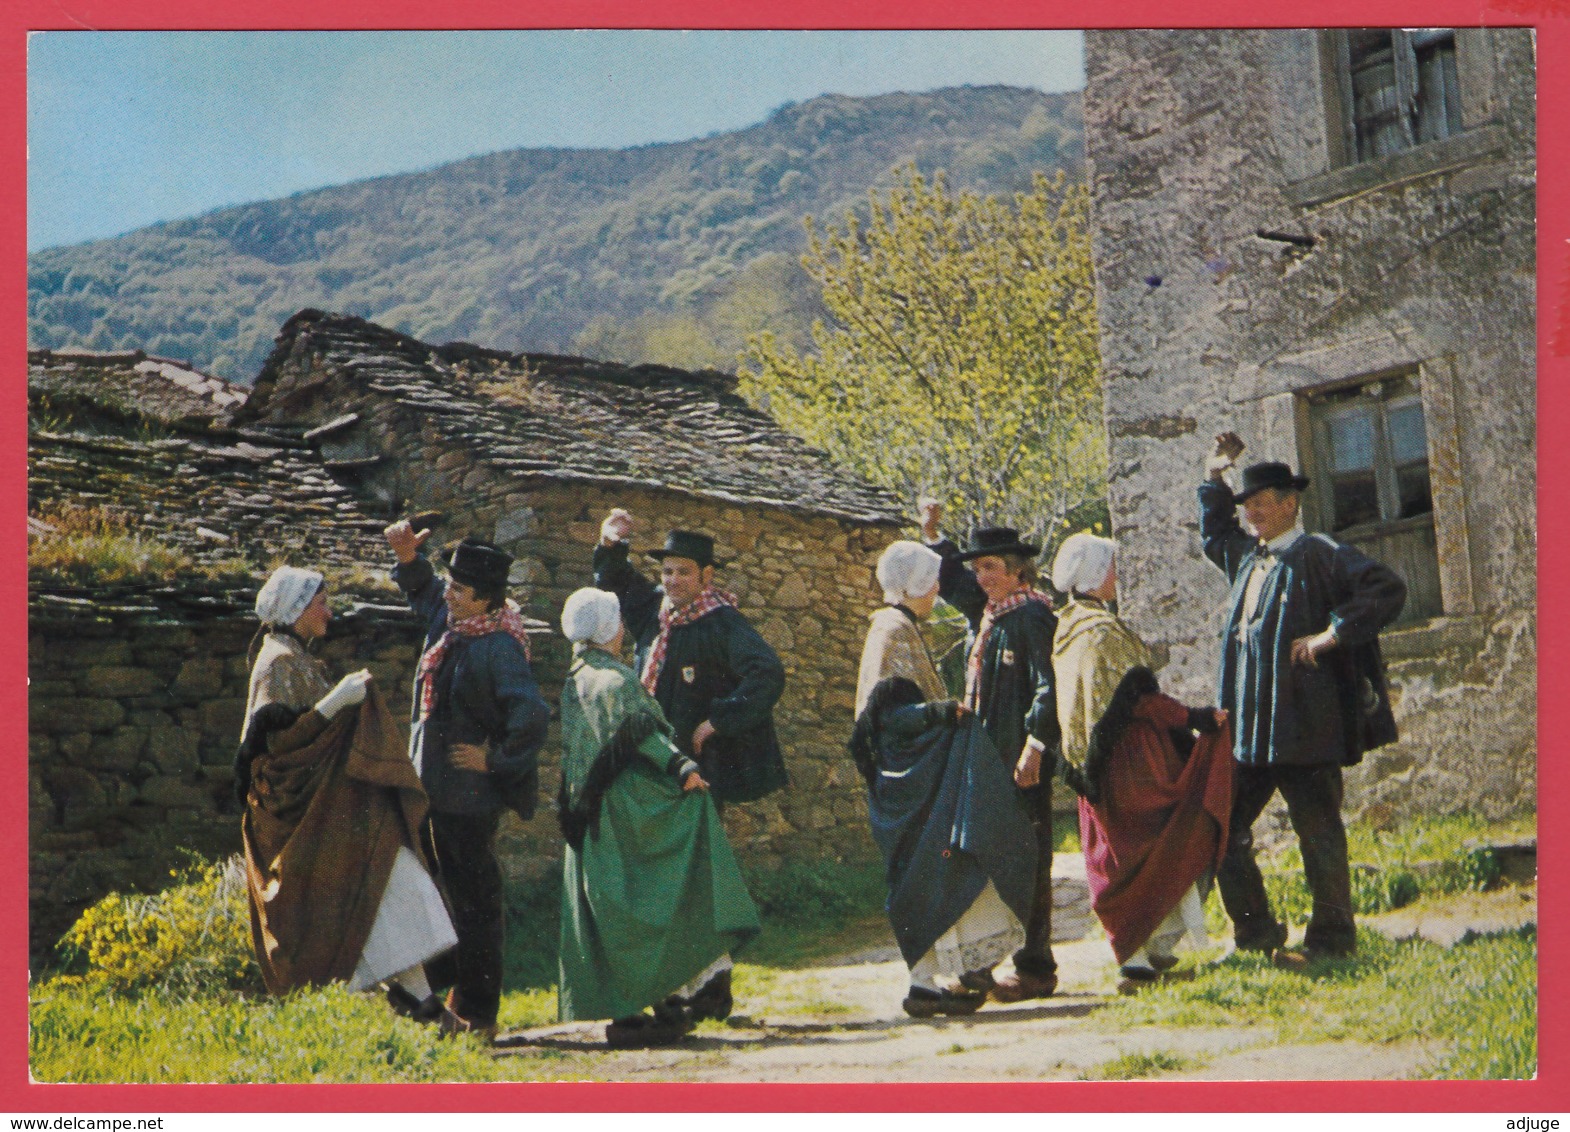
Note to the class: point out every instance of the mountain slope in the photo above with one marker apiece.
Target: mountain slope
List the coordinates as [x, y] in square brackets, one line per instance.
[676, 249]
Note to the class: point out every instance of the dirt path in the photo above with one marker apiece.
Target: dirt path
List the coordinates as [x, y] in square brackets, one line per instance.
[841, 1021]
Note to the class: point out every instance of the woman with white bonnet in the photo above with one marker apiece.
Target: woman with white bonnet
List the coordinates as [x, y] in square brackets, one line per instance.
[653, 903]
[1154, 801]
[338, 890]
[956, 841]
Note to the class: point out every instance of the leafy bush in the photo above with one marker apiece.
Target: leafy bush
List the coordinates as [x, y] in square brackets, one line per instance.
[820, 893]
[192, 938]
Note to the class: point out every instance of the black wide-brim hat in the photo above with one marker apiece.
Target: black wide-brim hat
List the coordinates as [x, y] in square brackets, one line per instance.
[1270, 473]
[997, 541]
[686, 544]
[479, 564]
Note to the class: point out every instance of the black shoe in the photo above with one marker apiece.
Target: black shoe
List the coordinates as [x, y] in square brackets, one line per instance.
[978, 980]
[1300, 958]
[1135, 979]
[1163, 963]
[713, 999]
[405, 1005]
[644, 1031]
[923, 1002]
[1268, 940]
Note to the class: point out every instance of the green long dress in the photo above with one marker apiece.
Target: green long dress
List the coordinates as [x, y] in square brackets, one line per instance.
[651, 895]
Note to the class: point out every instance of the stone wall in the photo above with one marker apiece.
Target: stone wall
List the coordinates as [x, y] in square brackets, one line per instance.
[805, 583]
[132, 727]
[1423, 260]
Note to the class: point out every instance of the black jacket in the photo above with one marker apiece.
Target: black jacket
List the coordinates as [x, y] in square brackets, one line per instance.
[718, 669]
[486, 695]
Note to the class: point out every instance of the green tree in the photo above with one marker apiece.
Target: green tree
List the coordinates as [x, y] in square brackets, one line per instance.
[959, 356]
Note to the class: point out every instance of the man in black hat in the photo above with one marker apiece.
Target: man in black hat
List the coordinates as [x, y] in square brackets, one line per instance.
[477, 724]
[715, 678]
[1008, 684]
[1303, 680]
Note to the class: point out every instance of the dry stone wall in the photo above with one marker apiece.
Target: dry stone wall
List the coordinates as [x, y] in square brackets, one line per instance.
[132, 726]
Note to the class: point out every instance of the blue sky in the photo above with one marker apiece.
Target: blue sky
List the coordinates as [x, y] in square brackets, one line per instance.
[129, 128]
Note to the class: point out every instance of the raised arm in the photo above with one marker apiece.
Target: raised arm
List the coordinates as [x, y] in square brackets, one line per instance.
[614, 573]
[1226, 542]
[414, 574]
[957, 585]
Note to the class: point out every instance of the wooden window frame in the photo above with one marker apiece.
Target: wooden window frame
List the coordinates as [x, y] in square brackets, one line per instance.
[1340, 115]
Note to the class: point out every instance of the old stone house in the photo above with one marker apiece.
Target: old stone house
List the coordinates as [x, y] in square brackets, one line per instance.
[532, 451]
[138, 660]
[150, 527]
[1324, 240]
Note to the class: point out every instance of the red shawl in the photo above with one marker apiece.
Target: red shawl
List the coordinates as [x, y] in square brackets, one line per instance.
[1160, 824]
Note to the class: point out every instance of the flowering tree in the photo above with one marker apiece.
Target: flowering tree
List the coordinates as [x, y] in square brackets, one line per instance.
[959, 358]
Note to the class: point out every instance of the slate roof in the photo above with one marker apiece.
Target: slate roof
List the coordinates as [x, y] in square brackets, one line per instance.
[548, 417]
[235, 501]
[130, 383]
[233, 505]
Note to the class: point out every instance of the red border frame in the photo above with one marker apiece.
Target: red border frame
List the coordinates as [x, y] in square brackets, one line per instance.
[1548, 1093]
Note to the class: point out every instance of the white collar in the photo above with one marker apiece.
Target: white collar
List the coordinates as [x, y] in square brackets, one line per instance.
[1282, 541]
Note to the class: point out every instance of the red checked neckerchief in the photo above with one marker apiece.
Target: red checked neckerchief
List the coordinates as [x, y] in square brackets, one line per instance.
[701, 606]
[504, 620]
[995, 609]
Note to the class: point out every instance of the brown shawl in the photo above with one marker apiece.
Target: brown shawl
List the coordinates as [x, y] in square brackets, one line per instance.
[323, 824]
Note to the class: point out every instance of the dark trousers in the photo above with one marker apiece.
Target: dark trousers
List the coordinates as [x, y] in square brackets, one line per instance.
[1313, 798]
[465, 852]
[1035, 958]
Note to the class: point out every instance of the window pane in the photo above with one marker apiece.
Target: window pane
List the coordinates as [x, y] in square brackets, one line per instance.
[1356, 499]
[1408, 438]
[1351, 441]
[1412, 483]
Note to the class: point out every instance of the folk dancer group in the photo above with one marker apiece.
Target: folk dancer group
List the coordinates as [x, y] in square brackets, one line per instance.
[351, 840]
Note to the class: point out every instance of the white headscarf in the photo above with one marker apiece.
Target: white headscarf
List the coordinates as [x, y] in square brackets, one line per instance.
[286, 594]
[1082, 562]
[591, 615]
[907, 570]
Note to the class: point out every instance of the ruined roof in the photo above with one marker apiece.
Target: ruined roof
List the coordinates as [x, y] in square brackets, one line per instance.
[232, 502]
[555, 418]
[132, 384]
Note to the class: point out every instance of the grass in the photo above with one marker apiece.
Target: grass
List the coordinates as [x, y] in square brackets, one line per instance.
[1133, 1066]
[90, 545]
[1476, 999]
[162, 988]
[1392, 868]
[94, 544]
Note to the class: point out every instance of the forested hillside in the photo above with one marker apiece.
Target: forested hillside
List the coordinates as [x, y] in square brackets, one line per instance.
[670, 253]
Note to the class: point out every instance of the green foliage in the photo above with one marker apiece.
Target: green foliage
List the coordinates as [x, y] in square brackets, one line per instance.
[1133, 1066]
[533, 933]
[960, 354]
[653, 253]
[193, 938]
[816, 892]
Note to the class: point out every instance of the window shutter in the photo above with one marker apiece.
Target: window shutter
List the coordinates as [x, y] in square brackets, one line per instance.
[1406, 82]
[1342, 48]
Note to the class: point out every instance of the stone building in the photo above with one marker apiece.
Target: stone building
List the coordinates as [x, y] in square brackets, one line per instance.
[196, 488]
[532, 451]
[150, 527]
[1325, 240]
